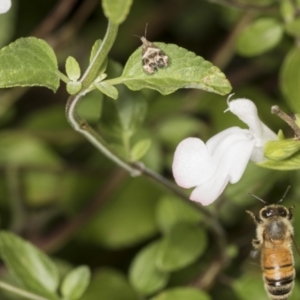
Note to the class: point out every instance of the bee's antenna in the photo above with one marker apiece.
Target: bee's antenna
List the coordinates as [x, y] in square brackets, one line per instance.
[284, 195]
[263, 201]
[137, 36]
[146, 30]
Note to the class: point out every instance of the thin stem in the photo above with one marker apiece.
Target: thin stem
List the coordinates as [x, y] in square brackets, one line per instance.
[63, 77]
[16, 203]
[92, 71]
[115, 81]
[286, 118]
[80, 125]
[20, 292]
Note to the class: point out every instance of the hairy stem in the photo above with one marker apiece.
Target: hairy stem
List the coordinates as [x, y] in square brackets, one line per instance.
[80, 125]
[92, 71]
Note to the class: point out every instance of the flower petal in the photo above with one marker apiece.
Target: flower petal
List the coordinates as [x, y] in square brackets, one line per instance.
[209, 191]
[192, 163]
[235, 159]
[231, 149]
[231, 167]
[4, 6]
[246, 111]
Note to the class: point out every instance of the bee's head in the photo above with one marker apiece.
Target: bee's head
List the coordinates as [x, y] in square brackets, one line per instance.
[275, 210]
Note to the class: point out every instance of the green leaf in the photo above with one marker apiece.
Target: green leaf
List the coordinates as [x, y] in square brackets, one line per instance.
[182, 294]
[132, 109]
[175, 128]
[287, 10]
[21, 149]
[116, 10]
[127, 219]
[249, 287]
[291, 163]
[72, 68]
[107, 89]
[140, 149]
[28, 62]
[109, 284]
[171, 210]
[73, 87]
[181, 246]
[293, 28]
[76, 282]
[31, 266]
[290, 78]
[121, 118]
[259, 37]
[297, 119]
[280, 150]
[90, 107]
[143, 273]
[296, 292]
[186, 70]
[95, 48]
[8, 21]
[256, 180]
[45, 192]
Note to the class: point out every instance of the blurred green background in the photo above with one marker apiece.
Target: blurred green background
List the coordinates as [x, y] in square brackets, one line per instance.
[59, 192]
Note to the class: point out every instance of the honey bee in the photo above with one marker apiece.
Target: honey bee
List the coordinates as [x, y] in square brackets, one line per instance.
[274, 237]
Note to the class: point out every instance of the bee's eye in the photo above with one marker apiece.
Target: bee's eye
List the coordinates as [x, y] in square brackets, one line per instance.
[282, 212]
[267, 213]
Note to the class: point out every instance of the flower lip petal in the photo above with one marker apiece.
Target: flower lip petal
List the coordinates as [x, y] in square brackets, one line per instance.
[4, 6]
[192, 164]
[209, 191]
[237, 158]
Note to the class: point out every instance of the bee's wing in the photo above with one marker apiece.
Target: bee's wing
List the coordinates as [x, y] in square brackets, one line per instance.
[295, 245]
[255, 253]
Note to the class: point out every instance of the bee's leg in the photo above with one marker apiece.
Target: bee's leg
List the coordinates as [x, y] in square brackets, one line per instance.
[290, 216]
[256, 244]
[255, 218]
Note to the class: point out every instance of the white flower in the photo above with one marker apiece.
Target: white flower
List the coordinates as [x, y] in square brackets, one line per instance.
[209, 167]
[4, 6]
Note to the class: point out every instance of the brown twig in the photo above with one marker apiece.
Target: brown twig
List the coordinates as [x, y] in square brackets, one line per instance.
[63, 234]
[241, 5]
[77, 20]
[54, 18]
[286, 118]
[226, 51]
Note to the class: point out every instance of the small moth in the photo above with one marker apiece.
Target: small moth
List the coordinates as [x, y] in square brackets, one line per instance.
[152, 57]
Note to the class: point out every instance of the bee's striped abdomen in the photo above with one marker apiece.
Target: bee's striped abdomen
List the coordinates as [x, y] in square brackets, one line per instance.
[278, 272]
